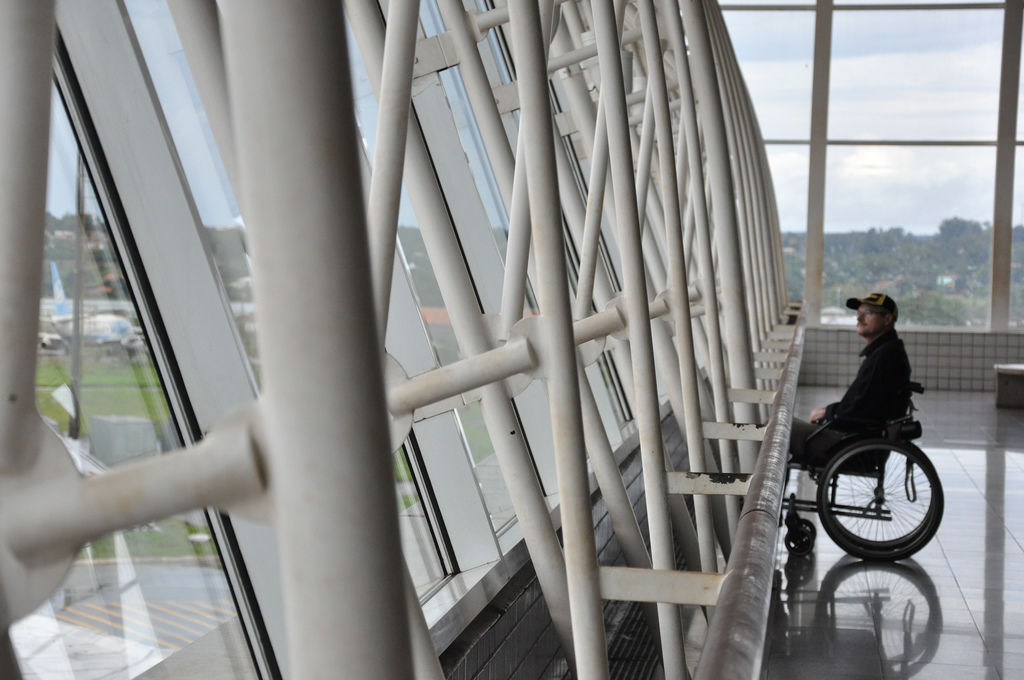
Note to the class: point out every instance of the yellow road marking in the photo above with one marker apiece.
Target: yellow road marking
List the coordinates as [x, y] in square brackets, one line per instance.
[194, 610]
[113, 624]
[226, 612]
[172, 612]
[140, 622]
[76, 622]
[157, 617]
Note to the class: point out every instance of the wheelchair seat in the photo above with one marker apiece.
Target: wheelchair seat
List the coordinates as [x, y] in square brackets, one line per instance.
[904, 428]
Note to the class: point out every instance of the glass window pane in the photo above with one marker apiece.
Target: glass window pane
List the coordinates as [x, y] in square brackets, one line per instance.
[476, 154]
[418, 542]
[1020, 109]
[914, 222]
[789, 168]
[1017, 253]
[725, 3]
[193, 140]
[775, 51]
[141, 597]
[915, 75]
[485, 466]
[208, 181]
[916, 2]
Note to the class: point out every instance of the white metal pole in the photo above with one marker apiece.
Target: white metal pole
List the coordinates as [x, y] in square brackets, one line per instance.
[389, 151]
[606, 471]
[816, 166]
[665, 352]
[733, 298]
[474, 338]
[26, 41]
[743, 122]
[59, 515]
[26, 45]
[644, 156]
[517, 252]
[694, 162]
[323, 401]
[559, 351]
[589, 245]
[1002, 215]
[602, 459]
[680, 303]
[592, 130]
[648, 420]
[741, 182]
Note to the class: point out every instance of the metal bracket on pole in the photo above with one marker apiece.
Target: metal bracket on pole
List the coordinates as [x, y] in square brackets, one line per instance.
[660, 585]
[434, 54]
[748, 396]
[711, 484]
[767, 373]
[734, 431]
[773, 357]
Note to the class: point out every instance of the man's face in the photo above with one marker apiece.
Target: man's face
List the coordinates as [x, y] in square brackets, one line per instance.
[872, 321]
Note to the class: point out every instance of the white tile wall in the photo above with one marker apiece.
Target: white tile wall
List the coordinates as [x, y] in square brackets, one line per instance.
[941, 360]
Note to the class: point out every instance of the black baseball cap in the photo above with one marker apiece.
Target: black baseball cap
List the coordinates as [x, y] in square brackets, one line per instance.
[878, 300]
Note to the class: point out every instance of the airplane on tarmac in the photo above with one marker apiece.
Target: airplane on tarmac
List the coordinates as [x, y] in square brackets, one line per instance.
[98, 328]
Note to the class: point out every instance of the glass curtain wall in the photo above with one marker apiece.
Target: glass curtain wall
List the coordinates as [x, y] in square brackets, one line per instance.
[138, 598]
[420, 333]
[910, 155]
[168, 67]
[913, 220]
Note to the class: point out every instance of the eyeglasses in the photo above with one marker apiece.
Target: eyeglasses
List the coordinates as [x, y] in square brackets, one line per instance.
[868, 312]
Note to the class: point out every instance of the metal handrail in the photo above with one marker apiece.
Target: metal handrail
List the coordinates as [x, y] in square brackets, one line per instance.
[735, 643]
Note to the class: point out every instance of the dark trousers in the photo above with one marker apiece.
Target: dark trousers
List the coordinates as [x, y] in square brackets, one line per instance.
[815, 451]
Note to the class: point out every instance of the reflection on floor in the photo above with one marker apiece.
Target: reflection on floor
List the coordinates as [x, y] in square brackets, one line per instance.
[956, 610]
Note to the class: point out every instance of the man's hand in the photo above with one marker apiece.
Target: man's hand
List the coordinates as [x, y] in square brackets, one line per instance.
[818, 414]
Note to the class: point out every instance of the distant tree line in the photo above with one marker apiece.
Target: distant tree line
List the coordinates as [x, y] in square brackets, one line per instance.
[938, 279]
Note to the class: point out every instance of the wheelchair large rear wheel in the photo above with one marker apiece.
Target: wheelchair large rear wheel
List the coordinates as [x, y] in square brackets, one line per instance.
[879, 499]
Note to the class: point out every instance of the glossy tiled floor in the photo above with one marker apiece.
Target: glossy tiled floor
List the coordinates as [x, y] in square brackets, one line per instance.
[956, 609]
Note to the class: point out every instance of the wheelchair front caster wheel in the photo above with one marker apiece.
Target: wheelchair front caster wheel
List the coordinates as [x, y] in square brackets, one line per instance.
[808, 526]
[800, 539]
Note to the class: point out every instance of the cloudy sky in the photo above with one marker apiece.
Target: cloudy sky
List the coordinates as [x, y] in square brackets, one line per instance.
[903, 76]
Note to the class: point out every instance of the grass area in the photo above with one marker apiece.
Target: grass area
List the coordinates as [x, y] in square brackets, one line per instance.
[97, 371]
[401, 464]
[148, 404]
[108, 387]
[167, 538]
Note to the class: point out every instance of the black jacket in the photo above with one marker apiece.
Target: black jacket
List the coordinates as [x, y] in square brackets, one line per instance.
[878, 392]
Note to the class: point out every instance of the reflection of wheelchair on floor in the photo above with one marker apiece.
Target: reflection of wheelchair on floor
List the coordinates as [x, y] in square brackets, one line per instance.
[878, 495]
[898, 600]
[860, 614]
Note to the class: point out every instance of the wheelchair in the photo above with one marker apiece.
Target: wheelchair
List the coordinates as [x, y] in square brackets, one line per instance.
[878, 495]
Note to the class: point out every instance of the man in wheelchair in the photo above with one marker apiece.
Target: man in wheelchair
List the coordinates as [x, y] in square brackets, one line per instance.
[878, 394]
